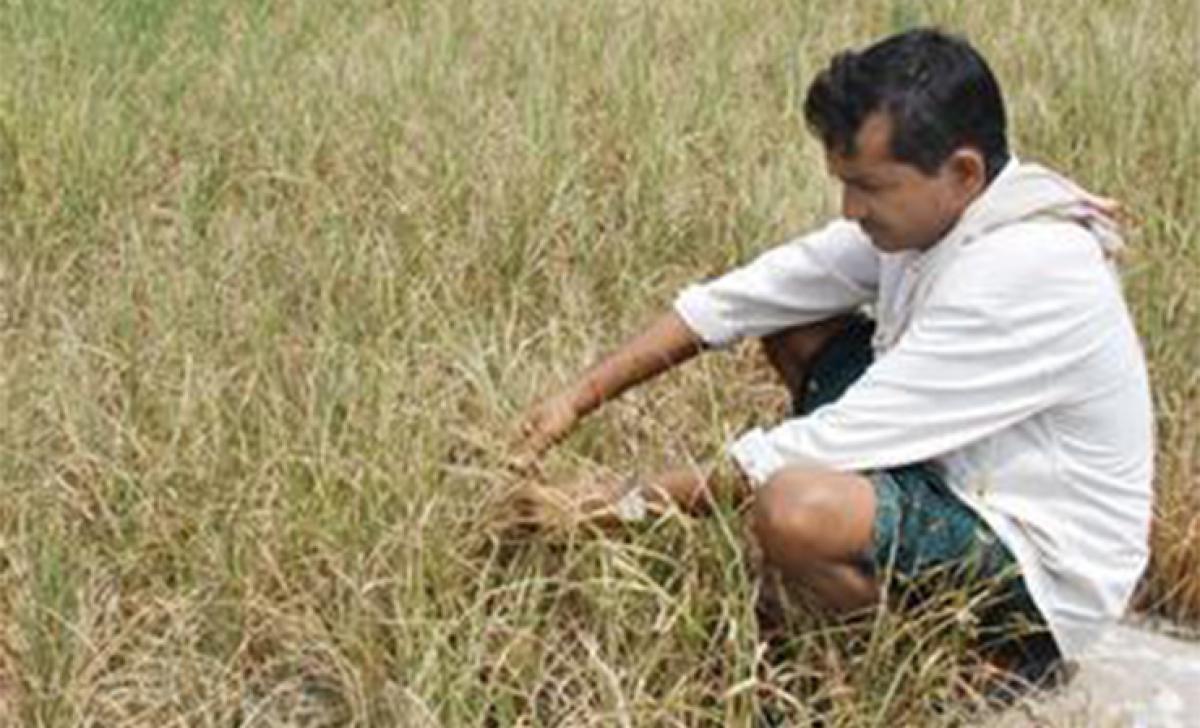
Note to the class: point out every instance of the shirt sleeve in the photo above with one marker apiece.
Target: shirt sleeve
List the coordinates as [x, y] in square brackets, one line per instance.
[971, 363]
[830, 271]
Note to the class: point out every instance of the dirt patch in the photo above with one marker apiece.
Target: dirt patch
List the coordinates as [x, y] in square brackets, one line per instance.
[1138, 675]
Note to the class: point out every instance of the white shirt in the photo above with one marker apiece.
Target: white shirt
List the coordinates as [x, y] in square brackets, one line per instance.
[1006, 354]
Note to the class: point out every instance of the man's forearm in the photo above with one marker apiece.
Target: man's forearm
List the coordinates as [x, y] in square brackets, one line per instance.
[667, 342]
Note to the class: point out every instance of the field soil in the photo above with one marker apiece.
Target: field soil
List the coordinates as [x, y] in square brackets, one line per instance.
[1139, 675]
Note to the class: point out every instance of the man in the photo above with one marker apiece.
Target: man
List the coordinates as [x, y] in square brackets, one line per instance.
[991, 424]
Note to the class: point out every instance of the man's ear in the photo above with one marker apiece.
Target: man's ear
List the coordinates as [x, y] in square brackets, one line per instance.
[968, 171]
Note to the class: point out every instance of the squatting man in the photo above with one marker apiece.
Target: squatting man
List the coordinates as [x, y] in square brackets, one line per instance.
[990, 420]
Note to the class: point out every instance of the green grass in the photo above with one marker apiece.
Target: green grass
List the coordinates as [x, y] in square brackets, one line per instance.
[277, 278]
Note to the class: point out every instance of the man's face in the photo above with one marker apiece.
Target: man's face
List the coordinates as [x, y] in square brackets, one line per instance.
[897, 205]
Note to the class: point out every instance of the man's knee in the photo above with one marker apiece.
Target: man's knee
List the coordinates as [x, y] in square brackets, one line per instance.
[804, 342]
[788, 514]
[803, 516]
[792, 351]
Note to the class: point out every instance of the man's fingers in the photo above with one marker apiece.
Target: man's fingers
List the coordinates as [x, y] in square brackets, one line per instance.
[528, 427]
[523, 462]
[532, 445]
[542, 506]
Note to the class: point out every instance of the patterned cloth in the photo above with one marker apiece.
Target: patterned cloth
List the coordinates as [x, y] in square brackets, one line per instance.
[928, 541]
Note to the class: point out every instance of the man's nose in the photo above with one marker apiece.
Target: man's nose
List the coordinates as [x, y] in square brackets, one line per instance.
[852, 205]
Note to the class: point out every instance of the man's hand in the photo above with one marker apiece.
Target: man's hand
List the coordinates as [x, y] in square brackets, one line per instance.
[591, 500]
[547, 422]
[607, 499]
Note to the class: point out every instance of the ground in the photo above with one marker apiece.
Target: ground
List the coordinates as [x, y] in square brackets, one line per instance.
[1139, 676]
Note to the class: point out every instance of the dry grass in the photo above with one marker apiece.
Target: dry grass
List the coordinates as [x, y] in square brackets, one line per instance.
[276, 278]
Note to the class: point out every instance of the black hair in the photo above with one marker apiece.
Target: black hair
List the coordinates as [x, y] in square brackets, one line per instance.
[937, 90]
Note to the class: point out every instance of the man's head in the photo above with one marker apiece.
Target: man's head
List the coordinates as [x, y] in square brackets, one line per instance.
[914, 127]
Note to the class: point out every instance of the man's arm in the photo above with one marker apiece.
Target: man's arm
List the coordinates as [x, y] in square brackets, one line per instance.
[667, 342]
[830, 271]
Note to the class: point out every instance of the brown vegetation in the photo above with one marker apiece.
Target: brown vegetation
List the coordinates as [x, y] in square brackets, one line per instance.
[277, 277]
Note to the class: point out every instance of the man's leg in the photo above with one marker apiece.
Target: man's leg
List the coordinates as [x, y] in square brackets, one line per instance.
[815, 527]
